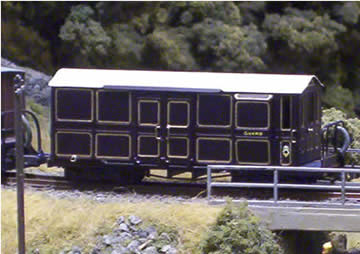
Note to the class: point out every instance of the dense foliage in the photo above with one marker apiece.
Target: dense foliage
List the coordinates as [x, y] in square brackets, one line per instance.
[238, 231]
[353, 127]
[318, 38]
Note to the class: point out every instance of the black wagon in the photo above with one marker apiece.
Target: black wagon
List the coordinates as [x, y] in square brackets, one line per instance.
[32, 156]
[128, 122]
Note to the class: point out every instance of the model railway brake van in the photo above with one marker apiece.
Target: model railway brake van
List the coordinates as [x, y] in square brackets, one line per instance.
[132, 121]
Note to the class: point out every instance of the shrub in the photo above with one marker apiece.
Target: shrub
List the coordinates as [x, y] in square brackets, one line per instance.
[238, 231]
[353, 127]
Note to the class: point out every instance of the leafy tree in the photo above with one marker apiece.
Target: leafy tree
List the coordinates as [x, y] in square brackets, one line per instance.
[222, 47]
[169, 50]
[126, 46]
[26, 46]
[339, 97]
[85, 35]
[301, 41]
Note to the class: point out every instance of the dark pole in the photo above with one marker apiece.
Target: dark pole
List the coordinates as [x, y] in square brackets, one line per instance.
[18, 86]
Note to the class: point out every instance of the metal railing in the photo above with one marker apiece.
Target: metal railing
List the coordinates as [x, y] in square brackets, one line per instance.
[276, 185]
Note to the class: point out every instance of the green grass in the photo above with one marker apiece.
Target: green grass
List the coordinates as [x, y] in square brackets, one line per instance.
[53, 224]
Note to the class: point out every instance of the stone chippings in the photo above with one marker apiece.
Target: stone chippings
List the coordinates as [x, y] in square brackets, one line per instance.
[131, 236]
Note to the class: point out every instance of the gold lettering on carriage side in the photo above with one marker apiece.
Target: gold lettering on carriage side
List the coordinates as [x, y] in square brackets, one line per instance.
[253, 133]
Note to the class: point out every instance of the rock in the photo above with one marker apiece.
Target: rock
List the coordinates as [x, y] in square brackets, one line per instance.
[113, 239]
[172, 250]
[142, 240]
[132, 228]
[165, 248]
[119, 249]
[123, 227]
[107, 239]
[75, 250]
[120, 220]
[125, 236]
[144, 244]
[142, 233]
[96, 250]
[152, 233]
[165, 237]
[36, 251]
[150, 250]
[134, 220]
[168, 249]
[133, 246]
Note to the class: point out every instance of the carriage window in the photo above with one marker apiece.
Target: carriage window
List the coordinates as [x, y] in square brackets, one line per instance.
[316, 107]
[178, 113]
[310, 113]
[113, 146]
[310, 108]
[149, 112]
[178, 147]
[251, 114]
[214, 111]
[244, 149]
[286, 115]
[213, 150]
[69, 143]
[113, 107]
[74, 105]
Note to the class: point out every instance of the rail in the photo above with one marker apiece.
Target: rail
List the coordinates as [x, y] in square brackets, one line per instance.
[276, 185]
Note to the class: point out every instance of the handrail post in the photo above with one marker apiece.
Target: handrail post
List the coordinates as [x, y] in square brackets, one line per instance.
[208, 182]
[276, 181]
[343, 187]
[19, 161]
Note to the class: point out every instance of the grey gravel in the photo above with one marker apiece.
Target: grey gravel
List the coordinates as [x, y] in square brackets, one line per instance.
[124, 227]
[133, 246]
[165, 236]
[150, 250]
[120, 220]
[134, 220]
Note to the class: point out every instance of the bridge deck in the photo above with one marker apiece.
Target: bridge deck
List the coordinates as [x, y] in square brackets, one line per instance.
[309, 219]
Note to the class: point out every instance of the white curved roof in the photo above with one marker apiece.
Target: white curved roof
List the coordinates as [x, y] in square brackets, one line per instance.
[183, 81]
[9, 69]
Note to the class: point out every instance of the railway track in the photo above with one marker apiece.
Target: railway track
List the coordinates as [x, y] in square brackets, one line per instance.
[186, 189]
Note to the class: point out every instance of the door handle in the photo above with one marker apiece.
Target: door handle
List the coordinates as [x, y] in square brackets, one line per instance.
[168, 128]
[157, 129]
[292, 133]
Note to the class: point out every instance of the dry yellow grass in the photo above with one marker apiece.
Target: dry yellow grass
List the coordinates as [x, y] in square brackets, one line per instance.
[52, 224]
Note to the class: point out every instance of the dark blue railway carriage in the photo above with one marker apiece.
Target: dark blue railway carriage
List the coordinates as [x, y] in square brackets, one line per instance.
[126, 122]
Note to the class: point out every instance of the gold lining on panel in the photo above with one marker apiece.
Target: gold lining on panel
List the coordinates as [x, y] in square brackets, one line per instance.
[112, 157]
[212, 125]
[188, 112]
[73, 132]
[252, 140]
[74, 120]
[158, 112]
[303, 115]
[253, 128]
[215, 161]
[148, 155]
[281, 113]
[281, 145]
[112, 122]
[178, 156]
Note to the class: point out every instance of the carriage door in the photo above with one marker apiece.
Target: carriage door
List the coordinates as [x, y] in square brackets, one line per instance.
[288, 134]
[178, 125]
[148, 130]
[310, 139]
